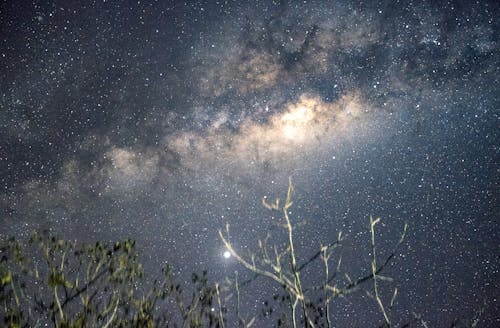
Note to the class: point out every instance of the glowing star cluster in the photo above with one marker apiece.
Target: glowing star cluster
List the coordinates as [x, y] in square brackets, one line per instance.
[302, 129]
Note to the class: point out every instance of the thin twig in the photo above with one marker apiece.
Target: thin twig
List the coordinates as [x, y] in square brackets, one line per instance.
[221, 317]
[374, 272]
[113, 314]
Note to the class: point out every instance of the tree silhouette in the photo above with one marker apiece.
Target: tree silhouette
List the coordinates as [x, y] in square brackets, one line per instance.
[94, 285]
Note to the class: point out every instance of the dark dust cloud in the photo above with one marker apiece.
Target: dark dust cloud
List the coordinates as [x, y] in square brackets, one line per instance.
[164, 120]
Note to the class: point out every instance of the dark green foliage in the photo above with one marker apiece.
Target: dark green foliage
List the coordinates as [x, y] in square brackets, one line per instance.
[65, 284]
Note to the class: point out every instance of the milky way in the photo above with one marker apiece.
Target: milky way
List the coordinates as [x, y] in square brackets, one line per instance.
[163, 122]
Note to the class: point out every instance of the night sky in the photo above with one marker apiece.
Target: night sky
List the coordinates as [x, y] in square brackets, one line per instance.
[165, 120]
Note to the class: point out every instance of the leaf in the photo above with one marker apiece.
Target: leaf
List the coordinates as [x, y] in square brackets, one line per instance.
[7, 278]
[384, 278]
[57, 279]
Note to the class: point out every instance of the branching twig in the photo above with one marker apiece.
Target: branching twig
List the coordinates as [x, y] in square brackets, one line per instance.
[291, 282]
[374, 271]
